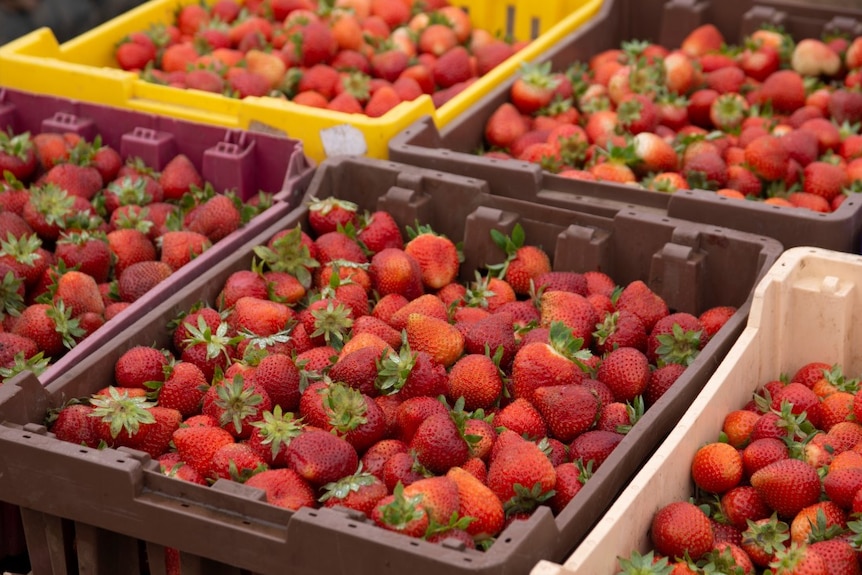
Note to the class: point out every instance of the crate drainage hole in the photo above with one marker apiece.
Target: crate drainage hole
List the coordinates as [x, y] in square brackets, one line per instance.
[121, 461]
[186, 505]
[352, 525]
[414, 544]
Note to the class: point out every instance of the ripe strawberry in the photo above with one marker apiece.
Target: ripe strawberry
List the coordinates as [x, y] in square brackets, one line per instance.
[797, 559]
[140, 364]
[626, 371]
[401, 514]
[216, 218]
[439, 443]
[140, 277]
[787, 485]
[17, 155]
[639, 299]
[496, 331]
[594, 446]
[534, 88]
[321, 457]
[571, 309]
[452, 68]
[51, 326]
[360, 491]
[808, 201]
[743, 504]
[702, 40]
[327, 214]
[824, 179]
[681, 528]
[437, 256]
[284, 488]
[129, 246]
[521, 475]
[505, 126]
[51, 148]
[121, 419]
[717, 467]
[86, 250]
[177, 248]
[523, 418]
[477, 379]
[178, 176]
[378, 231]
[477, 501]
[784, 90]
[75, 425]
[619, 329]
[569, 410]
[541, 364]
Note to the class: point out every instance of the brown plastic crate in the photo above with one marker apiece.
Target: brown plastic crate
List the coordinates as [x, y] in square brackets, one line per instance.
[244, 161]
[119, 507]
[668, 22]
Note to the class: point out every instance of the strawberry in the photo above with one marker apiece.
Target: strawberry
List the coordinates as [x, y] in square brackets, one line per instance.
[17, 154]
[160, 433]
[177, 248]
[87, 250]
[477, 379]
[845, 106]
[437, 256]
[798, 559]
[626, 371]
[376, 456]
[74, 424]
[542, 364]
[569, 410]
[521, 476]
[326, 215]
[439, 443]
[787, 485]
[181, 386]
[401, 514]
[522, 417]
[353, 416]
[594, 446]
[216, 218]
[140, 364]
[378, 231]
[717, 467]
[702, 40]
[321, 457]
[639, 299]
[178, 176]
[801, 399]
[534, 88]
[51, 326]
[272, 435]
[681, 529]
[129, 246]
[477, 501]
[812, 57]
[284, 488]
[824, 179]
[437, 337]
[743, 504]
[360, 491]
[121, 419]
[453, 68]
[784, 90]
[763, 538]
[572, 310]
[140, 277]
[236, 404]
[51, 148]
[505, 126]
[619, 329]
[820, 516]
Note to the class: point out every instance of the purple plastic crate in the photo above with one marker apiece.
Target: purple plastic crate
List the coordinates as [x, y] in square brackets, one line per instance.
[244, 161]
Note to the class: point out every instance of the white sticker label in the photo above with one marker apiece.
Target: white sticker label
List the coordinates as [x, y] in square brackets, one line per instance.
[343, 140]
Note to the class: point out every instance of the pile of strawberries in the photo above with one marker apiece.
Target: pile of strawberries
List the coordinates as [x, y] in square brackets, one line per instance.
[350, 367]
[781, 489]
[768, 120]
[353, 56]
[84, 234]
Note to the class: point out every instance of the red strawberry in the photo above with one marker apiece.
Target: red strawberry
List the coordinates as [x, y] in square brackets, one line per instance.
[784, 90]
[477, 379]
[595, 446]
[360, 491]
[17, 155]
[702, 40]
[477, 501]
[321, 457]
[521, 475]
[619, 329]
[284, 488]
[542, 364]
[439, 443]
[452, 68]
[787, 485]
[534, 88]
[178, 176]
[50, 326]
[824, 179]
[569, 410]
[75, 425]
[401, 514]
[216, 218]
[129, 246]
[379, 231]
[327, 214]
[521, 417]
[437, 256]
[639, 299]
[180, 247]
[505, 126]
[626, 371]
[382, 100]
[716, 467]
[681, 528]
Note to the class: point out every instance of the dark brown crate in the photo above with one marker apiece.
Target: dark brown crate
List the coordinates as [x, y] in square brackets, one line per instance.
[668, 22]
[118, 500]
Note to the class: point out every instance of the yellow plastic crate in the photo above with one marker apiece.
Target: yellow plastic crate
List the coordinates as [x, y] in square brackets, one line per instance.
[84, 68]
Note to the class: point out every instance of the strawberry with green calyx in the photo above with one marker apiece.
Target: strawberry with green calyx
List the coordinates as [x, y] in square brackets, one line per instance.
[327, 214]
[236, 404]
[521, 476]
[440, 441]
[798, 558]
[571, 477]
[327, 322]
[523, 264]
[26, 256]
[127, 191]
[439, 258]
[401, 513]
[559, 361]
[352, 415]
[17, 154]
[619, 329]
[764, 538]
[534, 88]
[271, 435]
[36, 364]
[646, 564]
[12, 291]
[208, 348]
[51, 326]
[360, 491]
[122, 419]
[48, 209]
[289, 253]
[678, 346]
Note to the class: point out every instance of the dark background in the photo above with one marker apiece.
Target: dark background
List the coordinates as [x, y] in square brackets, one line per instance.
[67, 18]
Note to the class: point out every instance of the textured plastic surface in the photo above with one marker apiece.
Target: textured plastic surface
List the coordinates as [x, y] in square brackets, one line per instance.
[244, 161]
[85, 68]
[122, 496]
[451, 147]
[807, 308]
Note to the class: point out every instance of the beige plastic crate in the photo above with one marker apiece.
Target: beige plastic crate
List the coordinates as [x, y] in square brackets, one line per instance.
[807, 308]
